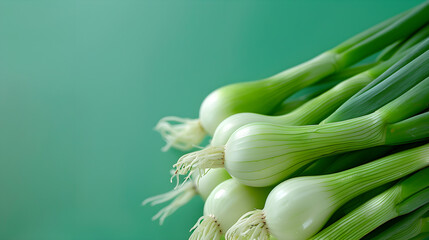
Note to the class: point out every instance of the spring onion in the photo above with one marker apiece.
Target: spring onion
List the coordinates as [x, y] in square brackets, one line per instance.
[311, 112]
[299, 207]
[403, 198]
[184, 193]
[319, 108]
[262, 154]
[265, 95]
[224, 206]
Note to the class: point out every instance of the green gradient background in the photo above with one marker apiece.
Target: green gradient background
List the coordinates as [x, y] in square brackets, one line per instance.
[82, 84]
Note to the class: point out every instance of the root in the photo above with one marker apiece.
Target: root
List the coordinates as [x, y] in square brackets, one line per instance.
[210, 157]
[180, 133]
[251, 225]
[206, 228]
[180, 195]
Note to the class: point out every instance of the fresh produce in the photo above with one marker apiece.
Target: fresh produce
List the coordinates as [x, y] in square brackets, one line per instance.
[322, 106]
[262, 154]
[402, 45]
[304, 95]
[406, 227]
[224, 206]
[334, 148]
[298, 208]
[345, 161]
[410, 70]
[403, 198]
[264, 96]
[311, 112]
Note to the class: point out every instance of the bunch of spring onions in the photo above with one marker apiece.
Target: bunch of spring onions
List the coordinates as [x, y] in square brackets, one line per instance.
[328, 149]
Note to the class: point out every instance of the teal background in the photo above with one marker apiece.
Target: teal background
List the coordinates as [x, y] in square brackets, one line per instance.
[82, 84]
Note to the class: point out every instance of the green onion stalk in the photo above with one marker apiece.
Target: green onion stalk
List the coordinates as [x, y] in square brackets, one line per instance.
[299, 98]
[311, 112]
[299, 207]
[263, 154]
[308, 93]
[404, 44]
[401, 199]
[321, 107]
[350, 160]
[409, 71]
[357, 202]
[264, 96]
[224, 206]
[345, 161]
[304, 95]
[341, 162]
[406, 227]
[182, 194]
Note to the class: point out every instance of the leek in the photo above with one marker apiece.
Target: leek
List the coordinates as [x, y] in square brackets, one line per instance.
[403, 198]
[262, 154]
[299, 207]
[264, 96]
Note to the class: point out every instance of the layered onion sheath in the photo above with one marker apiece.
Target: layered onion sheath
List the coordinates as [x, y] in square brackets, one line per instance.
[264, 96]
[299, 207]
[405, 197]
[380, 81]
[262, 154]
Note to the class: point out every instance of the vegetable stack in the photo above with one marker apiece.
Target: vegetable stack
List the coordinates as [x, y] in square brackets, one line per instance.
[328, 149]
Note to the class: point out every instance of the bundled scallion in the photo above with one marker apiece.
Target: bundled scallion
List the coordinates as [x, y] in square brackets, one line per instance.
[345, 161]
[311, 112]
[264, 96]
[323, 150]
[306, 94]
[299, 207]
[262, 154]
[324, 105]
